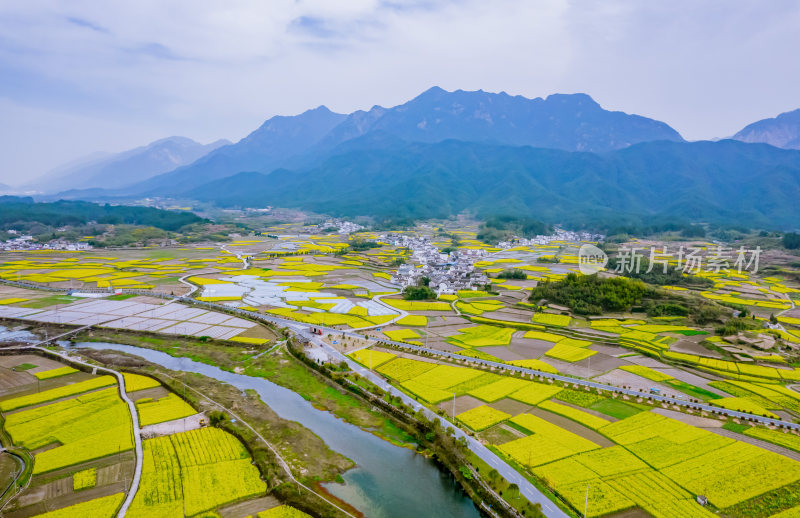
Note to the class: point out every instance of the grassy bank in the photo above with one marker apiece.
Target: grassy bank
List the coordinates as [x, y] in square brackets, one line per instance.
[278, 367]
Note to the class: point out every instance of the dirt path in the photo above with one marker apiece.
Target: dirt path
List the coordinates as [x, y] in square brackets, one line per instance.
[175, 426]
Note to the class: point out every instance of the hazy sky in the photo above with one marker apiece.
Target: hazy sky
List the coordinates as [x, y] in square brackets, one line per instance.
[82, 76]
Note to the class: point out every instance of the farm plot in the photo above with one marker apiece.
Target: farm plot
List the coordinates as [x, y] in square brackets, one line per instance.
[134, 382]
[416, 305]
[482, 417]
[446, 376]
[534, 393]
[55, 373]
[569, 353]
[85, 428]
[283, 511]
[498, 389]
[480, 307]
[401, 335]
[724, 470]
[579, 416]
[734, 473]
[194, 472]
[426, 392]
[546, 443]
[413, 320]
[646, 372]
[781, 438]
[105, 507]
[372, 358]
[551, 319]
[56, 393]
[482, 336]
[403, 369]
[658, 495]
[543, 335]
[84, 479]
[534, 364]
[167, 408]
[435, 383]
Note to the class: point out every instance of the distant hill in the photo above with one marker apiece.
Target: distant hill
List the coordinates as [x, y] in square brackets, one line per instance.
[115, 170]
[569, 122]
[726, 181]
[782, 131]
[270, 146]
[23, 209]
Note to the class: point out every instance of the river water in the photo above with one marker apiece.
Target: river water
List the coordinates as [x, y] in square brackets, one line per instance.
[388, 482]
[7, 335]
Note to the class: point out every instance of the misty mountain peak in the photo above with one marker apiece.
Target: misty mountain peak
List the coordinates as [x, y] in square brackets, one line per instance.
[782, 131]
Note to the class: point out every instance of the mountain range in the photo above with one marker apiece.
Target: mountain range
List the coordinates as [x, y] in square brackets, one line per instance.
[727, 181]
[569, 122]
[782, 131]
[562, 157]
[115, 170]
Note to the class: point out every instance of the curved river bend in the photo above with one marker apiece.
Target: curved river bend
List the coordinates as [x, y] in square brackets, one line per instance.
[388, 482]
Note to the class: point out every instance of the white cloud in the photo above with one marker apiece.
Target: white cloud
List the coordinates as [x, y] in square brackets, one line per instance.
[127, 71]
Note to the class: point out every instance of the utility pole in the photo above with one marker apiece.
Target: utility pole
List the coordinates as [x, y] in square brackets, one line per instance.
[454, 408]
[586, 505]
[184, 399]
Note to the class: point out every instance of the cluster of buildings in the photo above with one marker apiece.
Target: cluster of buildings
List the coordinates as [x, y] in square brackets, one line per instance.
[23, 242]
[342, 227]
[557, 235]
[448, 273]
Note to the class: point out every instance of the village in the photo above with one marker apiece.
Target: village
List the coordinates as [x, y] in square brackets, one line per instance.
[25, 242]
[446, 273]
[557, 235]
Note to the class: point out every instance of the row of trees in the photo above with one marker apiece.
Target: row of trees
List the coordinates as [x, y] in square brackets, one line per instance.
[512, 273]
[75, 213]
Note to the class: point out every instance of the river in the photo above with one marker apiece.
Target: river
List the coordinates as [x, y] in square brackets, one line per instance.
[388, 482]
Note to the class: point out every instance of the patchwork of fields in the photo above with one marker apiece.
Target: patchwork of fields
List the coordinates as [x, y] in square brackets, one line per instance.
[628, 452]
[628, 455]
[80, 433]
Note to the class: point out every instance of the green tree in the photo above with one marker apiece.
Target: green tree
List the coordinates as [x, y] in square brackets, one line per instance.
[791, 240]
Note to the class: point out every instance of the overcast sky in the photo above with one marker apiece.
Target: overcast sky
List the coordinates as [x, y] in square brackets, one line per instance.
[83, 76]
